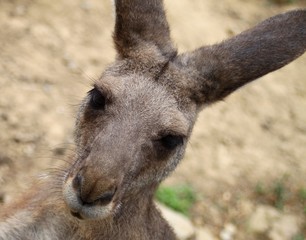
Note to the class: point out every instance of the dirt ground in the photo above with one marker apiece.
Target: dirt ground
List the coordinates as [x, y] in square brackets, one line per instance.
[245, 151]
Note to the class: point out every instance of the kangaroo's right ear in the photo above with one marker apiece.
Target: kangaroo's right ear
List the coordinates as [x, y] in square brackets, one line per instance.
[218, 70]
[141, 25]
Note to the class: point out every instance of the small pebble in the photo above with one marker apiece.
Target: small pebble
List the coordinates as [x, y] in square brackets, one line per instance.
[228, 232]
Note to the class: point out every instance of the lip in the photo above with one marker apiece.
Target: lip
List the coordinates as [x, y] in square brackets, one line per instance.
[93, 212]
[77, 215]
[84, 211]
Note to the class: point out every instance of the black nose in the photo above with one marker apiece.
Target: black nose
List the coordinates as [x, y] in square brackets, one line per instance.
[94, 192]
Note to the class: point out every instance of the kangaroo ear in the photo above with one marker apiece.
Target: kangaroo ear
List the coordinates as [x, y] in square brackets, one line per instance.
[218, 70]
[141, 25]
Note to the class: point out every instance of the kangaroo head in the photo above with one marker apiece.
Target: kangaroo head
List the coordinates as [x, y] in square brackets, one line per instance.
[133, 126]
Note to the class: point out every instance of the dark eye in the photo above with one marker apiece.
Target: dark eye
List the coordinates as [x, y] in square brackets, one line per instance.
[170, 142]
[97, 99]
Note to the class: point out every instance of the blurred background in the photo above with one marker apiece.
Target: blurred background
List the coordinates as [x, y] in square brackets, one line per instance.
[245, 166]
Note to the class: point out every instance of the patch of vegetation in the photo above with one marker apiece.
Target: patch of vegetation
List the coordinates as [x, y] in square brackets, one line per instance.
[282, 2]
[298, 237]
[303, 198]
[303, 194]
[260, 189]
[179, 198]
[286, 2]
[276, 193]
[279, 191]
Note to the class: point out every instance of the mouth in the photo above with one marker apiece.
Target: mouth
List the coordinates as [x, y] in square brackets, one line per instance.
[92, 212]
[77, 215]
[82, 210]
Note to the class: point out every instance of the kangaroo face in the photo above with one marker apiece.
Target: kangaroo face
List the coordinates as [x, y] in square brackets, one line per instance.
[131, 133]
[133, 126]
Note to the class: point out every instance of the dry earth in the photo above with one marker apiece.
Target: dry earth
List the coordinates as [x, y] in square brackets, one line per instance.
[245, 152]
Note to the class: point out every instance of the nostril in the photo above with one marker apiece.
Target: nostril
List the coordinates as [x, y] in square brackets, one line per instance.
[77, 182]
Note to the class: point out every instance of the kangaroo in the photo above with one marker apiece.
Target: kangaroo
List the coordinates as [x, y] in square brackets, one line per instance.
[133, 126]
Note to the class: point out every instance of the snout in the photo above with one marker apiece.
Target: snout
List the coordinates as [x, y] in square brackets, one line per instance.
[90, 195]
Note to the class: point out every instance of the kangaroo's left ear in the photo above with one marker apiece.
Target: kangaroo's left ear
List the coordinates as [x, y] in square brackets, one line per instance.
[220, 69]
[142, 25]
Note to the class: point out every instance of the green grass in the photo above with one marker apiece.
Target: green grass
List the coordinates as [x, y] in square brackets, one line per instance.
[280, 194]
[298, 237]
[275, 193]
[280, 2]
[286, 2]
[260, 189]
[303, 194]
[179, 198]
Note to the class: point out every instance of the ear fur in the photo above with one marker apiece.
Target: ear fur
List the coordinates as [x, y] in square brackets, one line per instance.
[220, 69]
[141, 25]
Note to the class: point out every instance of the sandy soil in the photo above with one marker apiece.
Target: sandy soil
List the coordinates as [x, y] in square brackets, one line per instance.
[241, 149]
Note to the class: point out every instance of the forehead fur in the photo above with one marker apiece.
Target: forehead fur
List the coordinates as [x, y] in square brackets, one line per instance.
[143, 99]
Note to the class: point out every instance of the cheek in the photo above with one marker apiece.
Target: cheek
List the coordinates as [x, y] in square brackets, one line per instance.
[151, 169]
[88, 125]
[171, 162]
[84, 134]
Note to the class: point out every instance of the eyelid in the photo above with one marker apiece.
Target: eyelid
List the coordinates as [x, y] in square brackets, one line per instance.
[104, 91]
[170, 132]
[177, 125]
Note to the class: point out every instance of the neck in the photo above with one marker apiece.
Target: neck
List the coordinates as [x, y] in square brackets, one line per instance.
[136, 218]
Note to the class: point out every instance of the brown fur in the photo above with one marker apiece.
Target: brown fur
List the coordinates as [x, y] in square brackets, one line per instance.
[133, 127]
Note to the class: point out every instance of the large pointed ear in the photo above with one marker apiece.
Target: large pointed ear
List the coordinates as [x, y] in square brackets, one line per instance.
[220, 69]
[141, 25]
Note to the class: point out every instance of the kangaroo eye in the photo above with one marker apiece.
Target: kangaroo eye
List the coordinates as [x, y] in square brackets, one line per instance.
[97, 99]
[170, 142]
